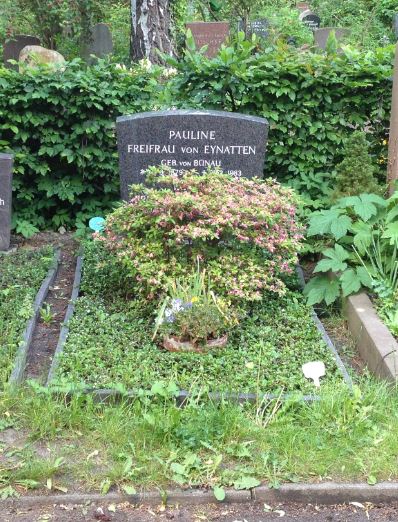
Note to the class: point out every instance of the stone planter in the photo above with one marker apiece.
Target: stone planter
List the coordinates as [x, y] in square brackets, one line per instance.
[173, 344]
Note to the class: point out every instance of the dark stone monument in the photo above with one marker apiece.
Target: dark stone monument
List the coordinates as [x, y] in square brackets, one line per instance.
[310, 19]
[395, 24]
[6, 162]
[258, 27]
[100, 43]
[14, 46]
[212, 34]
[190, 139]
[321, 35]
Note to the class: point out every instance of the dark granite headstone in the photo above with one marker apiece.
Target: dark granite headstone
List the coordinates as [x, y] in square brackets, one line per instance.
[14, 46]
[258, 27]
[321, 35]
[310, 19]
[190, 139]
[100, 43]
[395, 24]
[212, 34]
[6, 162]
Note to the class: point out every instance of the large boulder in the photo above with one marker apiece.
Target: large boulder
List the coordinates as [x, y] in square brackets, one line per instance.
[36, 55]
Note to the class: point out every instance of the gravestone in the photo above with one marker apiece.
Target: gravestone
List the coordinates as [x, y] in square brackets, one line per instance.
[395, 24]
[100, 42]
[13, 47]
[258, 27]
[321, 35]
[6, 162]
[212, 34]
[190, 139]
[303, 6]
[310, 19]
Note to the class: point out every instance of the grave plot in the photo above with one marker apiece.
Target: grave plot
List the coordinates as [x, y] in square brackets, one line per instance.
[22, 273]
[115, 338]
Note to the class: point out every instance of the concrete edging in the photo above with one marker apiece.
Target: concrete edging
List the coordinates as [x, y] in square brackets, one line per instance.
[68, 315]
[327, 493]
[375, 343]
[20, 358]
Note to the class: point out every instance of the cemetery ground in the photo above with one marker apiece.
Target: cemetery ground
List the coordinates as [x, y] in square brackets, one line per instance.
[63, 443]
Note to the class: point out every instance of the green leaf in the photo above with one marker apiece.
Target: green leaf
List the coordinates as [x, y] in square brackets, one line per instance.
[129, 490]
[334, 260]
[363, 235]
[177, 468]
[320, 289]
[372, 480]
[246, 483]
[340, 226]
[391, 233]
[350, 282]
[321, 222]
[364, 277]
[219, 493]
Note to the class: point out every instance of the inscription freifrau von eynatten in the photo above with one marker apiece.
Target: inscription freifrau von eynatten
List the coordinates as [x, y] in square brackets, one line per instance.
[186, 140]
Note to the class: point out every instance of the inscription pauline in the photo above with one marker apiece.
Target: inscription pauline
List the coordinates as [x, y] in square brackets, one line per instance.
[185, 140]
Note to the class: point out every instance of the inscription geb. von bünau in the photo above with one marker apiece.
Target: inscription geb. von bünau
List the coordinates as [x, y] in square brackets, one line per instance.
[186, 140]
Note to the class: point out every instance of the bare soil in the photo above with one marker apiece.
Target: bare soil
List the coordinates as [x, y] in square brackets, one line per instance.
[253, 512]
[46, 334]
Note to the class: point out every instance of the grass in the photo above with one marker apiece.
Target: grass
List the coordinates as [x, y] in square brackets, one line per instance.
[21, 274]
[147, 444]
[109, 345]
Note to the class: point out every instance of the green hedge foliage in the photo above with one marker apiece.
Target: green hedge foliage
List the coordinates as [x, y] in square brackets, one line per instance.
[312, 102]
[61, 126]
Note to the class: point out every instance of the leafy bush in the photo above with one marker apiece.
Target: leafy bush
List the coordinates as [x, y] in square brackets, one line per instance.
[61, 127]
[363, 234]
[355, 174]
[243, 231]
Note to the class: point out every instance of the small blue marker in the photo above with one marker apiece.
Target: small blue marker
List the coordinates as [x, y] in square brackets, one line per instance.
[97, 224]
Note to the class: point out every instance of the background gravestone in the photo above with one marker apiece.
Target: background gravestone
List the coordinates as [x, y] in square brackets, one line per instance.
[100, 43]
[212, 34]
[310, 19]
[190, 139]
[395, 24]
[321, 35]
[13, 47]
[302, 6]
[258, 27]
[6, 162]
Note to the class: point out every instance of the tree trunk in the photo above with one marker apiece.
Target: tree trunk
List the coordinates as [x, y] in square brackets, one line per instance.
[150, 30]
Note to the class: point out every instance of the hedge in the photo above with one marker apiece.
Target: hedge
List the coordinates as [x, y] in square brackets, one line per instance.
[312, 102]
[61, 125]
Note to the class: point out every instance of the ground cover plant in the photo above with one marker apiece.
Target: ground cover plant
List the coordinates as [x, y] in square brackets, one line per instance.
[21, 275]
[244, 234]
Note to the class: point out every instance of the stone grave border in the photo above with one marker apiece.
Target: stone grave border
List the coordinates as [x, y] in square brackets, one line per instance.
[325, 493]
[374, 341]
[17, 373]
[107, 394]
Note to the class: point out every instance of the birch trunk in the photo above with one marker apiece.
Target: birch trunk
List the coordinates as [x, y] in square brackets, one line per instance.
[150, 30]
